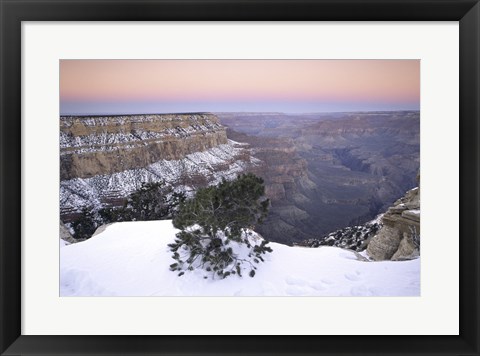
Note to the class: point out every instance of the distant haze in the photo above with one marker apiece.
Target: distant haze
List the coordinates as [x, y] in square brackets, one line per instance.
[290, 86]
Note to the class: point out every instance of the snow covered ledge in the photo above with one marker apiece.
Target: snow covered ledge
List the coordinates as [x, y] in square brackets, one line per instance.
[132, 259]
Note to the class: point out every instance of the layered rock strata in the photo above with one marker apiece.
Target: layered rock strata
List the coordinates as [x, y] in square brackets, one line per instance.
[104, 159]
[399, 238]
[93, 145]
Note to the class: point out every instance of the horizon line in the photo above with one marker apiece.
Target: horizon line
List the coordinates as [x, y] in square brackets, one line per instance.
[242, 112]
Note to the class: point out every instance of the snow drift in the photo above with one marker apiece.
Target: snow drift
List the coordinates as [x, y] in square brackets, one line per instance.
[132, 259]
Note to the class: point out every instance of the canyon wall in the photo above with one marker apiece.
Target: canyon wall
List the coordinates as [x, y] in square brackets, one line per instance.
[105, 158]
[93, 145]
[287, 185]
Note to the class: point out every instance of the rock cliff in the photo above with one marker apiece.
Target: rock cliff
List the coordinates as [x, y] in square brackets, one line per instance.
[93, 145]
[399, 238]
[105, 158]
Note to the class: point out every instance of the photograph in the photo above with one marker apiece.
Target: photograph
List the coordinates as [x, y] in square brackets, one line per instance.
[241, 178]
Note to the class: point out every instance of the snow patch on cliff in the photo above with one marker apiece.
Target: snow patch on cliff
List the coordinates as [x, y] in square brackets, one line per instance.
[129, 133]
[223, 161]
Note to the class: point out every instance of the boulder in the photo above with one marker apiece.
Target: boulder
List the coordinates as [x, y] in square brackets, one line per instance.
[384, 245]
[406, 249]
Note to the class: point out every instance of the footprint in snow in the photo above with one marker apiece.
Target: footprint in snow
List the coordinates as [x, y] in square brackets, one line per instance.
[295, 291]
[327, 281]
[353, 276]
[318, 286]
[362, 291]
[269, 289]
[292, 281]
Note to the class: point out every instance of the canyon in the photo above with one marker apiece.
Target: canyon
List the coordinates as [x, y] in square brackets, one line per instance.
[327, 171]
[322, 172]
[393, 235]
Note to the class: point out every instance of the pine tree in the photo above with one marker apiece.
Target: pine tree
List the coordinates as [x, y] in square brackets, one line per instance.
[152, 201]
[215, 227]
[149, 202]
[85, 225]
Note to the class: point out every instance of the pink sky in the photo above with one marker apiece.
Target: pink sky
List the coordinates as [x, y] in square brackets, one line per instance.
[216, 85]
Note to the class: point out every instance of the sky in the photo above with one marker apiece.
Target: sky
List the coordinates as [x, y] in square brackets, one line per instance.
[289, 86]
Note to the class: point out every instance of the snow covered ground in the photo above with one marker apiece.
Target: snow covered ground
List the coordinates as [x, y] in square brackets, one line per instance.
[132, 259]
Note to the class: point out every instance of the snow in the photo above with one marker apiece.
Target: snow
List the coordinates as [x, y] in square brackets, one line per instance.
[377, 220]
[132, 259]
[415, 211]
[63, 243]
[364, 254]
[222, 161]
[129, 135]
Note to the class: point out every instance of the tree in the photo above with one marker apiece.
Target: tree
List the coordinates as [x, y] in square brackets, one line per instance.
[150, 202]
[216, 228]
[85, 225]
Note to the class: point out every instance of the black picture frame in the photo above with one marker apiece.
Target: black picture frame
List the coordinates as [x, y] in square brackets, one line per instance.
[13, 12]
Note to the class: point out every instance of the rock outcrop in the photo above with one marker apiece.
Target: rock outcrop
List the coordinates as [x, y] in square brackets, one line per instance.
[105, 158]
[399, 238]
